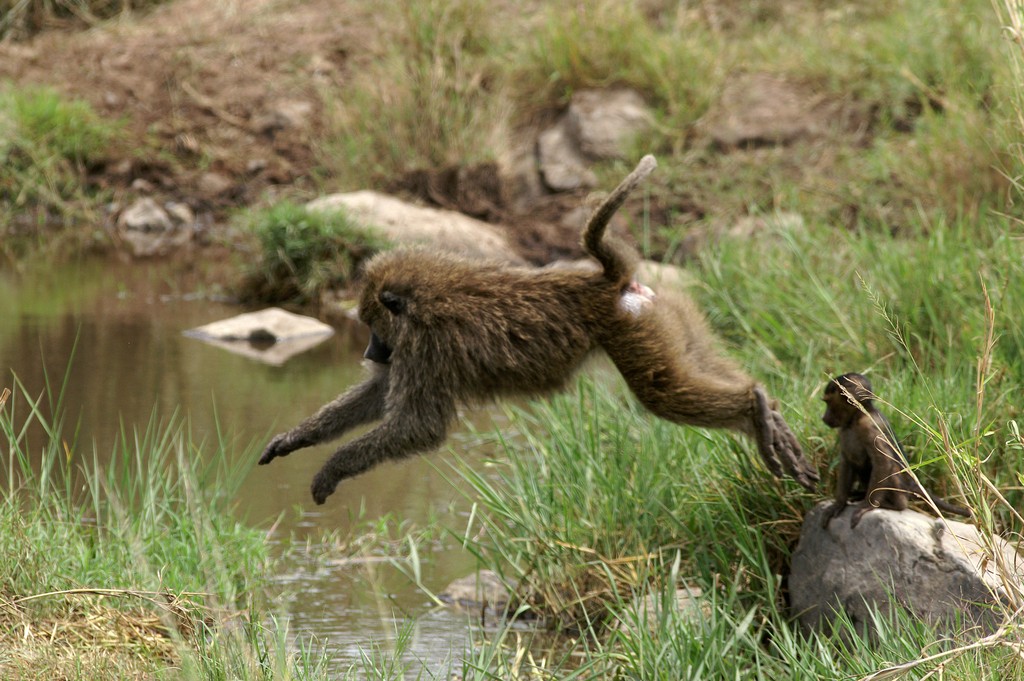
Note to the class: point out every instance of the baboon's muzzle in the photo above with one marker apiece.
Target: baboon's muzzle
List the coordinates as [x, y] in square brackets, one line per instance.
[377, 351]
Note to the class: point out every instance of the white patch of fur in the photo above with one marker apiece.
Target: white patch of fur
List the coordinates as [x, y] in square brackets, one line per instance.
[636, 298]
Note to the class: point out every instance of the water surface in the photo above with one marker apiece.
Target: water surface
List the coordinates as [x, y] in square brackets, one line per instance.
[116, 329]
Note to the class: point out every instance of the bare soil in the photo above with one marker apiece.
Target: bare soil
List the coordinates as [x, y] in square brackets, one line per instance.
[223, 103]
[221, 100]
[223, 106]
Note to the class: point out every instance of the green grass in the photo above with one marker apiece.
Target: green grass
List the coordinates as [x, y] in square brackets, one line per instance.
[47, 144]
[431, 98]
[303, 253]
[921, 92]
[908, 269]
[597, 502]
[614, 44]
[593, 502]
[132, 567]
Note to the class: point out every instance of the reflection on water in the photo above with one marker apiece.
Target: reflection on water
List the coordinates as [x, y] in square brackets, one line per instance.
[123, 327]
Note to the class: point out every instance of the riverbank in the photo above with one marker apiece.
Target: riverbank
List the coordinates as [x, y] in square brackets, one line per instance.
[128, 568]
[886, 242]
[858, 116]
[587, 504]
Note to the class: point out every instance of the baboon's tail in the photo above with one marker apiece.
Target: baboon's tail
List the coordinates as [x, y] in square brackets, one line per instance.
[941, 504]
[611, 259]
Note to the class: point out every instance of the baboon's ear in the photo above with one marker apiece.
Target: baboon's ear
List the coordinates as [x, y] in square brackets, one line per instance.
[393, 302]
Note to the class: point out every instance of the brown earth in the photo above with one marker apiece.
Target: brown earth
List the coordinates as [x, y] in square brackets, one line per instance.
[224, 106]
[222, 95]
[223, 103]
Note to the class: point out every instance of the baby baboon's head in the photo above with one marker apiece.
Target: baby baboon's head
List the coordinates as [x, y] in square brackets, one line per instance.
[845, 398]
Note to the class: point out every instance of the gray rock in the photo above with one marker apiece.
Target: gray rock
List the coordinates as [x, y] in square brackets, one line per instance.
[405, 223]
[148, 229]
[652, 610]
[599, 124]
[256, 165]
[284, 114]
[604, 122]
[272, 336]
[215, 184]
[761, 108]
[772, 227]
[562, 167]
[937, 569]
[145, 215]
[482, 590]
[141, 185]
[180, 213]
[750, 226]
[519, 165]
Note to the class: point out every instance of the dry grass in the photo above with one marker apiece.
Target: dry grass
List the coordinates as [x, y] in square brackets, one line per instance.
[25, 18]
[88, 633]
[91, 639]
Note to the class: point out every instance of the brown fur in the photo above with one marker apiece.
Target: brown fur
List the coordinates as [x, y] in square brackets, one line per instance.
[454, 330]
[870, 455]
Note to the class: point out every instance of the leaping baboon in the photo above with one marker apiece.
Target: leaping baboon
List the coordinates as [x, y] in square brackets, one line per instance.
[870, 455]
[445, 330]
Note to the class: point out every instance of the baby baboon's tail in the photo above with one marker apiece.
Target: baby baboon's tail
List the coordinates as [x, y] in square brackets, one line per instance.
[611, 256]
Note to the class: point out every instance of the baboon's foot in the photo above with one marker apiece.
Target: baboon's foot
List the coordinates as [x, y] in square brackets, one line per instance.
[831, 512]
[792, 456]
[859, 513]
[778, 446]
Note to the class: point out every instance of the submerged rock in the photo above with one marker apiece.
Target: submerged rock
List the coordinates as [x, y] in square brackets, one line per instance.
[150, 230]
[483, 589]
[272, 335]
[482, 593]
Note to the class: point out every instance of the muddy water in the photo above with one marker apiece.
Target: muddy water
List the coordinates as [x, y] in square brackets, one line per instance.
[117, 331]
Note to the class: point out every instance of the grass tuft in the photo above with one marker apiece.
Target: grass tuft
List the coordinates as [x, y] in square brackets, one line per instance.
[303, 253]
[24, 18]
[47, 145]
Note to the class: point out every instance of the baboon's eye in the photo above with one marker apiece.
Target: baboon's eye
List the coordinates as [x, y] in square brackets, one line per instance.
[393, 302]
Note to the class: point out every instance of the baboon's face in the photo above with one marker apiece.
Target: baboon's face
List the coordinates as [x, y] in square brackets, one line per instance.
[382, 310]
[837, 409]
[843, 399]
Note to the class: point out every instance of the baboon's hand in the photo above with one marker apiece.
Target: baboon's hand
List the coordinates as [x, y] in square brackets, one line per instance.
[277, 447]
[323, 487]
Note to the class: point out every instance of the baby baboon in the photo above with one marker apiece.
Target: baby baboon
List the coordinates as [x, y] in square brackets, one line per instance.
[870, 456]
[445, 330]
